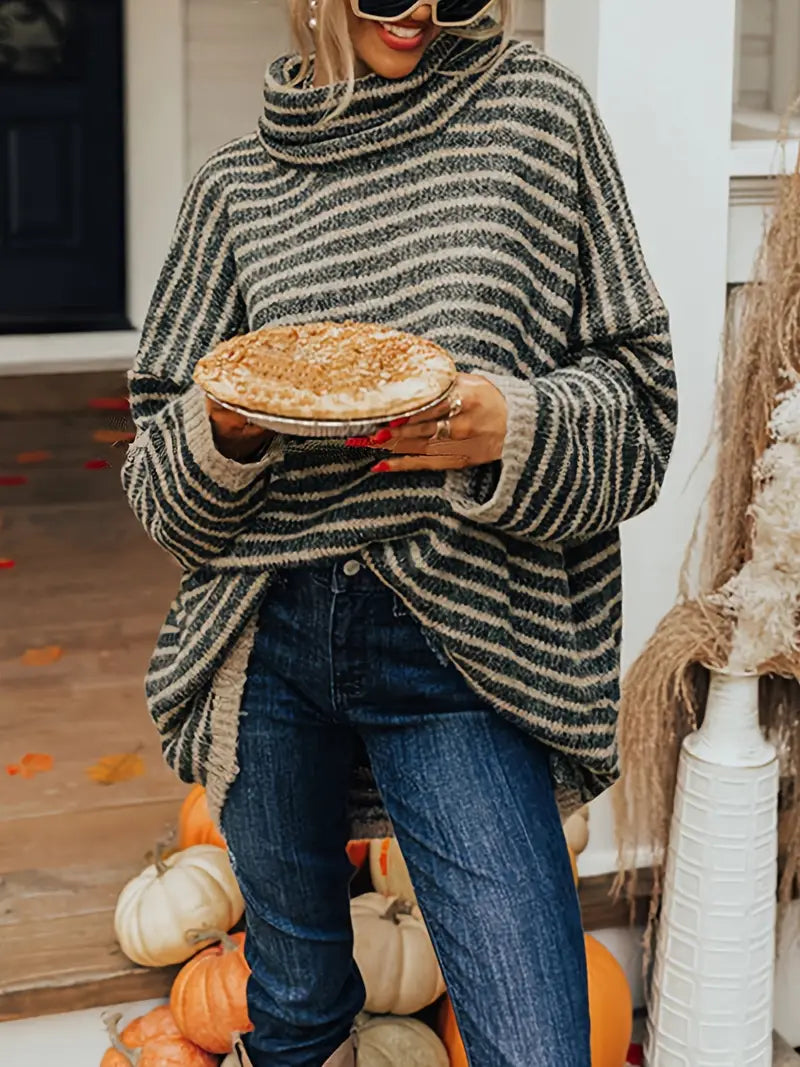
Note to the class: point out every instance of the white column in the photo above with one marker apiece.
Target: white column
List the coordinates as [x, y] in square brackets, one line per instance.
[155, 165]
[662, 75]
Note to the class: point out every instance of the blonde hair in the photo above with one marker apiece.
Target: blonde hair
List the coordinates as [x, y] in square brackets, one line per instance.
[333, 52]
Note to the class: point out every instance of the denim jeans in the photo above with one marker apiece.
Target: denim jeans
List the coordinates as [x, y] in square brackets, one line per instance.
[337, 655]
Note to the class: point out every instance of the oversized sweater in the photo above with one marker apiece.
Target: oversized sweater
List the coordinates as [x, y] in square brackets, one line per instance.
[482, 208]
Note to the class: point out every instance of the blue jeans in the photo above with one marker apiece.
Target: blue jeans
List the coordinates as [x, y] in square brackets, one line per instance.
[336, 656]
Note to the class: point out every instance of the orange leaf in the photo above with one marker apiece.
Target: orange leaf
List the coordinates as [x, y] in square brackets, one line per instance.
[111, 437]
[12, 768]
[118, 768]
[37, 762]
[34, 457]
[40, 657]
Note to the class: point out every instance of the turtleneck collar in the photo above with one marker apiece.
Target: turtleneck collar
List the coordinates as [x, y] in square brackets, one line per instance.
[381, 110]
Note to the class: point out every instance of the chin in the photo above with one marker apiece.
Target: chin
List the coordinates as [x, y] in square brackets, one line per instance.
[385, 61]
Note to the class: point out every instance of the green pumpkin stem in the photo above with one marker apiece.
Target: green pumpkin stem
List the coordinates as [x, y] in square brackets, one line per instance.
[160, 862]
[132, 1055]
[194, 937]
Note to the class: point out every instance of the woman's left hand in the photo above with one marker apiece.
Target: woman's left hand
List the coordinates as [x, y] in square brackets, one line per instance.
[477, 432]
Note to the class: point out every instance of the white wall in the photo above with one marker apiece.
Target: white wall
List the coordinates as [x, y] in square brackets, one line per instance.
[671, 135]
[229, 44]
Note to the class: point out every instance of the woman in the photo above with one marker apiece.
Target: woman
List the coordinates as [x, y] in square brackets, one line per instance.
[447, 619]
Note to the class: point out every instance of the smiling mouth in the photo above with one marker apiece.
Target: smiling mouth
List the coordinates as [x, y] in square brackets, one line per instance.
[403, 33]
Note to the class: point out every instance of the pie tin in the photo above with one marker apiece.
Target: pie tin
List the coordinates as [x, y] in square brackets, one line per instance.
[327, 427]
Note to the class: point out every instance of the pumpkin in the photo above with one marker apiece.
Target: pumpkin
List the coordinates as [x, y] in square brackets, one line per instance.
[357, 852]
[389, 871]
[610, 1006]
[574, 865]
[390, 1040]
[395, 955]
[193, 888]
[209, 994]
[194, 822]
[158, 1050]
[447, 1029]
[160, 1022]
[576, 830]
[610, 1009]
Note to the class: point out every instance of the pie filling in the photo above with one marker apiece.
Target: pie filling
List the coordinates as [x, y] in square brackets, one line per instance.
[327, 370]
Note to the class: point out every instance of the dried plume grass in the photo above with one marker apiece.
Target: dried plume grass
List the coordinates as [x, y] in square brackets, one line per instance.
[665, 689]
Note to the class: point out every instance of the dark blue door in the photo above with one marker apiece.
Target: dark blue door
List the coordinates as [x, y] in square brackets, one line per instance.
[62, 224]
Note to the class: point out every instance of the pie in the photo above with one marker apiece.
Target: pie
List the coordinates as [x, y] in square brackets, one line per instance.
[327, 370]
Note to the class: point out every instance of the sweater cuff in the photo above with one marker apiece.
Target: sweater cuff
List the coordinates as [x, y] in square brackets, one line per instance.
[460, 485]
[199, 439]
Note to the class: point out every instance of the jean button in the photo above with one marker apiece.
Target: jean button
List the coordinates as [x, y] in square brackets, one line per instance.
[351, 568]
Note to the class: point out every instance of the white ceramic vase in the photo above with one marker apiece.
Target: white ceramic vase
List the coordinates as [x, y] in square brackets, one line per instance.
[711, 1003]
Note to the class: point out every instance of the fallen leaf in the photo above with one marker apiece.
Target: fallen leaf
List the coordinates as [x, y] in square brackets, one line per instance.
[6, 564]
[13, 479]
[112, 437]
[38, 762]
[34, 457]
[110, 403]
[119, 768]
[41, 657]
[96, 464]
[12, 768]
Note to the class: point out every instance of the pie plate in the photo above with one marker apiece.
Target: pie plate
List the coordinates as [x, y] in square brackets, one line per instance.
[327, 427]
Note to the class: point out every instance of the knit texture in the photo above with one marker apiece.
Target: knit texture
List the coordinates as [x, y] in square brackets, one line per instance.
[482, 208]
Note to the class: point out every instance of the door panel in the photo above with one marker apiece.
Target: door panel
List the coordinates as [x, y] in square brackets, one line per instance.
[62, 251]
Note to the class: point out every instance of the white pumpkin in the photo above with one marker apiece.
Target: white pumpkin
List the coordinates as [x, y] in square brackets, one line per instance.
[396, 1041]
[395, 955]
[576, 830]
[190, 890]
[388, 869]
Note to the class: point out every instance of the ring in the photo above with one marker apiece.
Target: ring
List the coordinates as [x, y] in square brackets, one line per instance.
[442, 430]
[456, 404]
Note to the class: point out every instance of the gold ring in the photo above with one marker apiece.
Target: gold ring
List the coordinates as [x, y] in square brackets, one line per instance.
[442, 430]
[456, 404]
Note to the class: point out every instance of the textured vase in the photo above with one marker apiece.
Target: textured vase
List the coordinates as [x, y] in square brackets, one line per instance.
[714, 964]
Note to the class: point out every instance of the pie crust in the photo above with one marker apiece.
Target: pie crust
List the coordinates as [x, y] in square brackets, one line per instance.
[327, 370]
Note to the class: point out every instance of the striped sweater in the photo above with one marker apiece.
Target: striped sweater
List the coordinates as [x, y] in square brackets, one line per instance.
[482, 208]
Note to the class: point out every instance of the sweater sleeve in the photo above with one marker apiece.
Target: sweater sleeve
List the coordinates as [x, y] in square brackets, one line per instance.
[190, 498]
[587, 445]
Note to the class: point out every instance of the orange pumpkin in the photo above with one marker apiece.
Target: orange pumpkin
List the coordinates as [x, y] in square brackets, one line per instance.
[610, 1009]
[159, 1022]
[447, 1029]
[610, 1006]
[194, 822]
[573, 862]
[209, 994]
[159, 1050]
[357, 852]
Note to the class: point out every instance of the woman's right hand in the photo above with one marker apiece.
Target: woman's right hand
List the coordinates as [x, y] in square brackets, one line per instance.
[234, 437]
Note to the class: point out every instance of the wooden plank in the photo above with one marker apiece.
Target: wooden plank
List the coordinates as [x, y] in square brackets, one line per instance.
[599, 908]
[119, 987]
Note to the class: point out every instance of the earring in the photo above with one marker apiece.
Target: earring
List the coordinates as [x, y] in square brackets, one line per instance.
[312, 8]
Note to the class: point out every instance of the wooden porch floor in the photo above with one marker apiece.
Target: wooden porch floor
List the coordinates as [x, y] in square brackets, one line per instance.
[87, 579]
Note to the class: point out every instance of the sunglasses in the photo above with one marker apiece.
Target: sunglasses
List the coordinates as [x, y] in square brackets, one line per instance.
[443, 12]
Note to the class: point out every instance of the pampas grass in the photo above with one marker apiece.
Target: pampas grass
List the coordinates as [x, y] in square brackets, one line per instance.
[744, 610]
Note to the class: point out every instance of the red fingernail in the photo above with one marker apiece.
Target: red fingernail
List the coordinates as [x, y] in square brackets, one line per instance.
[400, 422]
[357, 442]
[381, 437]
[381, 467]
